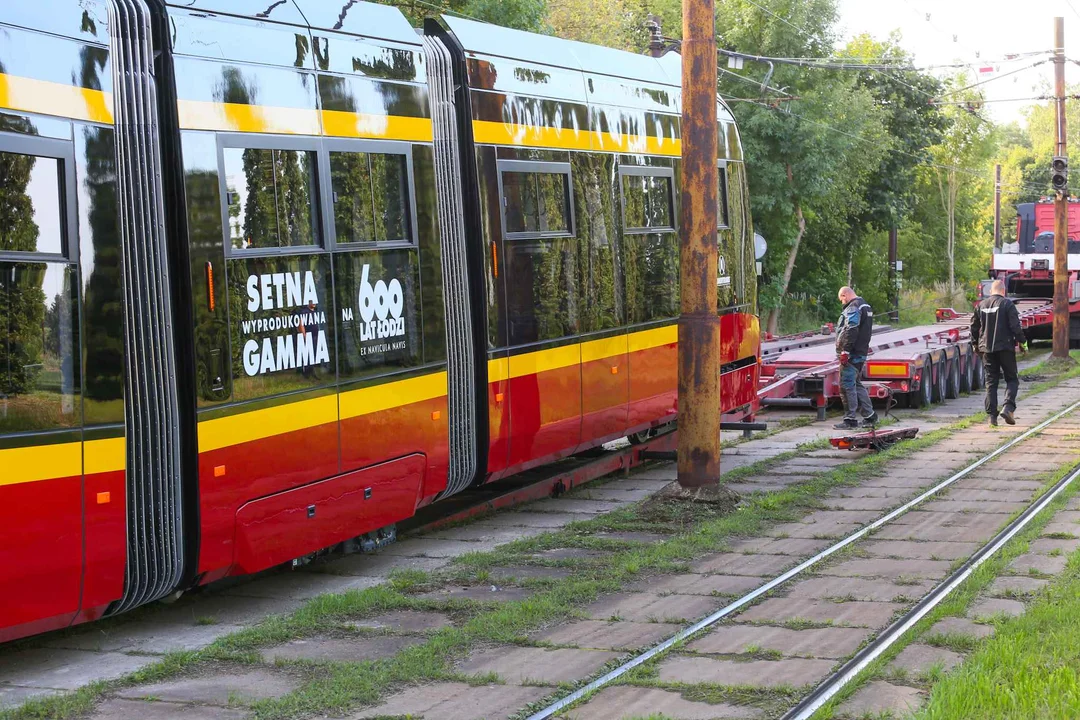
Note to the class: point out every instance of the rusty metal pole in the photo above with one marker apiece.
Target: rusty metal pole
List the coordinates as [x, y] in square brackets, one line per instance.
[1061, 206]
[699, 325]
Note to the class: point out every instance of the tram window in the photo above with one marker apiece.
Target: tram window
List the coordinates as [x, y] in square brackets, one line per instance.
[39, 341]
[371, 197]
[647, 201]
[271, 198]
[722, 218]
[536, 200]
[33, 198]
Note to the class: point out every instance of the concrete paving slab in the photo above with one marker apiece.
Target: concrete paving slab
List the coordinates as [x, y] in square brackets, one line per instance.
[627, 703]
[918, 659]
[575, 505]
[960, 626]
[829, 643]
[1040, 564]
[858, 588]
[647, 607]
[1062, 530]
[919, 550]
[694, 584]
[571, 554]
[456, 701]
[879, 504]
[354, 649]
[868, 491]
[218, 689]
[601, 635]
[480, 532]
[530, 665]
[797, 547]
[301, 585]
[633, 537]
[993, 607]
[437, 547]
[1006, 586]
[480, 593]
[884, 567]
[142, 710]
[979, 506]
[814, 531]
[879, 697]
[66, 669]
[792, 672]
[534, 519]
[855, 614]
[1045, 546]
[614, 493]
[377, 565]
[741, 564]
[12, 697]
[527, 572]
[407, 621]
[151, 635]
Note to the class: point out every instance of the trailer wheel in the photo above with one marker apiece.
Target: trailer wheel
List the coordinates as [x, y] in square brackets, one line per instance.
[952, 378]
[978, 374]
[967, 375]
[940, 381]
[924, 395]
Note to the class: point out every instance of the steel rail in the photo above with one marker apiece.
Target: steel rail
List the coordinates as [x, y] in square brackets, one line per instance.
[835, 682]
[753, 595]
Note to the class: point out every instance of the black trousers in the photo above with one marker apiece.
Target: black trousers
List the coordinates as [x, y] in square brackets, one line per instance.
[998, 365]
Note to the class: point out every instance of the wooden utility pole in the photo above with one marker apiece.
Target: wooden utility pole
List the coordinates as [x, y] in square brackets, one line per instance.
[699, 325]
[1061, 204]
[997, 206]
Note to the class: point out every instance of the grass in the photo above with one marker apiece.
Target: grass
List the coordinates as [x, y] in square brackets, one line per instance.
[1030, 668]
[341, 687]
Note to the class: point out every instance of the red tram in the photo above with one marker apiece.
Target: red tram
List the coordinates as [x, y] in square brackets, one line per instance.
[274, 275]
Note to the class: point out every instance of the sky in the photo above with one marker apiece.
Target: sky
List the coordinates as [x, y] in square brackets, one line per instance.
[985, 31]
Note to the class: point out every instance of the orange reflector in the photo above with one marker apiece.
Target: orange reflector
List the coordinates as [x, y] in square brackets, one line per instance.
[104, 498]
[843, 444]
[498, 397]
[210, 285]
[887, 369]
[219, 471]
[494, 259]
[436, 415]
[615, 370]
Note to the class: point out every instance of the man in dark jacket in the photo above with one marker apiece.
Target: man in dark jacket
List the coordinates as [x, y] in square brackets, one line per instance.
[853, 332]
[995, 332]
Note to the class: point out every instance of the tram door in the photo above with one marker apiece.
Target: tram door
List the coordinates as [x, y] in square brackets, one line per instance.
[41, 414]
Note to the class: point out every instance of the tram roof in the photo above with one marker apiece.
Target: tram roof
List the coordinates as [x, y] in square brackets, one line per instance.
[365, 19]
[530, 47]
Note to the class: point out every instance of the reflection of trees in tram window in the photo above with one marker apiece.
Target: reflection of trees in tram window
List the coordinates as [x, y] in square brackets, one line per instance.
[647, 202]
[371, 197]
[38, 341]
[30, 204]
[723, 219]
[103, 292]
[275, 191]
[537, 203]
[601, 303]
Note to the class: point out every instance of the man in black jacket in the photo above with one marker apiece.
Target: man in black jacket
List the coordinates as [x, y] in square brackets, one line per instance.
[995, 332]
[853, 332]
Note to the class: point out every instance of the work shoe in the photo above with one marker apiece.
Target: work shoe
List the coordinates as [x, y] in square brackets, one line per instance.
[847, 425]
[993, 421]
[871, 420]
[1007, 416]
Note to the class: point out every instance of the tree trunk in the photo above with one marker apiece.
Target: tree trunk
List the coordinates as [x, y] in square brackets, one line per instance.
[774, 315]
[850, 264]
[947, 191]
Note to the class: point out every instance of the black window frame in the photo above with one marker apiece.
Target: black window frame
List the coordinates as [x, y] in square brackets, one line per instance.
[245, 141]
[368, 147]
[538, 167]
[647, 171]
[723, 209]
[64, 152]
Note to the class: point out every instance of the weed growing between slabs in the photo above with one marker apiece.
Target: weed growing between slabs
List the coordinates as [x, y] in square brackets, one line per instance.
[962, 682]
[339, 687]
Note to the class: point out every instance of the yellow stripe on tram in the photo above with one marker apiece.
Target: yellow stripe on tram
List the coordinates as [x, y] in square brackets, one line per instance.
[49, 98]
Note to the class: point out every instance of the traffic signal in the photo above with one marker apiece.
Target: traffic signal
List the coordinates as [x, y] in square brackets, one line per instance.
[1059, 173]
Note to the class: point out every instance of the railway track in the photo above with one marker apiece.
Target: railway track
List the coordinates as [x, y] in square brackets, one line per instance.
[827, 687]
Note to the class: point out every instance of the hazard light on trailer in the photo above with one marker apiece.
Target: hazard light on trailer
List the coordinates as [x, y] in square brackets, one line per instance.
[887, 370]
